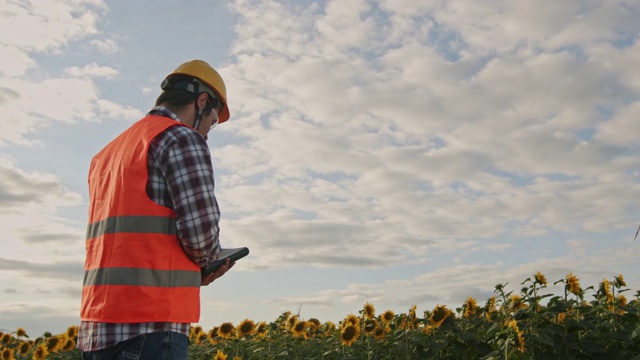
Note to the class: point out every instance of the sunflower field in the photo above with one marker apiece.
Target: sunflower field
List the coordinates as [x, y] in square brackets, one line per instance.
[524, 325]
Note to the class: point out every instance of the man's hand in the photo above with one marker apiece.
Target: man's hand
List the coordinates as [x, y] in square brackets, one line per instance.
[216, 274]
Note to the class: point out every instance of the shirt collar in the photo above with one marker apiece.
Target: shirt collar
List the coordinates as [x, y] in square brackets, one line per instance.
[164, 111]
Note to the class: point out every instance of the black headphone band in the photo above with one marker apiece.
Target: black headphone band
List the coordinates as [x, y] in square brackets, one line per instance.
[181, 83]
[192, 85]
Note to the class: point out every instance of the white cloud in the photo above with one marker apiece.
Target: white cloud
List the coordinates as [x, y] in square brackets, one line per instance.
[67, 100]
[30, 203]
[42, 249]
[106, 46]
[22, 188]
[47, 25]
[483, 125]
[30, 98]
[41, 312]
[92, 70]
[286, 27]
[292, 303]
[344, 26]
[621, 130]
[16, 61]
[112, 110]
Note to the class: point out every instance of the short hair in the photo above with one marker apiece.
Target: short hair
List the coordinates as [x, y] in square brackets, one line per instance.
[178, 99]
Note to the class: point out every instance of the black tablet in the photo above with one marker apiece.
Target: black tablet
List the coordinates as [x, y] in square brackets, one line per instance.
[233, 254]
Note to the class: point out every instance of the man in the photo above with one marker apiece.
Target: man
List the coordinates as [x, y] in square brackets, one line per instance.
[153, 224]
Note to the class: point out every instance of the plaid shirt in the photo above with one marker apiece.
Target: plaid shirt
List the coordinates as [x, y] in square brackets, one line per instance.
[180, 178]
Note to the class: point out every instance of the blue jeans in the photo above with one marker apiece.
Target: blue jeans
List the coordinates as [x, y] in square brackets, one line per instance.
[165, 345]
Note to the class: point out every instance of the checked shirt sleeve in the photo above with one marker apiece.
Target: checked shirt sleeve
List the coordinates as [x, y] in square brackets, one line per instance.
[181, 177]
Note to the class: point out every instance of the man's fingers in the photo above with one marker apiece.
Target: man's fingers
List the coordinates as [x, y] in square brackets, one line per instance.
[219, 272]
[222, 269]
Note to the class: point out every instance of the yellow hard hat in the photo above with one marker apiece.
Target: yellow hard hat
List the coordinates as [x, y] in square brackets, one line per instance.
[208, 75]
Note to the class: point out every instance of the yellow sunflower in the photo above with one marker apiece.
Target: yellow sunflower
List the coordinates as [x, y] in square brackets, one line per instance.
[605, 290]
[195, 332]
[517, 302]
[7, 354]
[246, 327]
[212, 335]
[622, 300]
[379, 332]
[428, 329]
[7, 338]
[40, 352]
[573, 284]
[72, 332]
[292, 321]
[513, 324]
[69, 345]
[409, 321]
[369, 311]
[412, 312]
[24, 348]
[439, 315]
[226, 330]
[329, 328]
[299, 329]
[314, 324]
[619, 281]
[387, 316]
[20, 332]
[491, 304]
[54, 344]
[470, 307]
[220, 355]
[283, 320]
[403, 324]
[370, 326]
[540, 279]
[202, 338]
[349, 334]
[262, 329]
[351, 320]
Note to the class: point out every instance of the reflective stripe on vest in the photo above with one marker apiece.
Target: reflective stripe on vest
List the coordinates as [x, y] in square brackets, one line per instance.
[132, 224]
[141, 277]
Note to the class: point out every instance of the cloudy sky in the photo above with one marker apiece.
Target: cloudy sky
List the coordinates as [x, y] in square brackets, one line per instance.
[396, 152]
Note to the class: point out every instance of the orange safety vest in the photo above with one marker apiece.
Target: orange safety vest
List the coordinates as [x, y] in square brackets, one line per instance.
[135, 269]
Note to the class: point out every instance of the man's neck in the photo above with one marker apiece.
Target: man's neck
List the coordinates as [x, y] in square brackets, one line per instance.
[186, 114]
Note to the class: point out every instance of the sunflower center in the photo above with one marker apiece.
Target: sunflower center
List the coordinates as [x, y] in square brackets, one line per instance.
[439, 314]
[225, 328]
[349, 333]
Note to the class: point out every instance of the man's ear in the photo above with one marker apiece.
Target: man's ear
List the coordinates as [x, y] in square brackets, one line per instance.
[202, 100]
